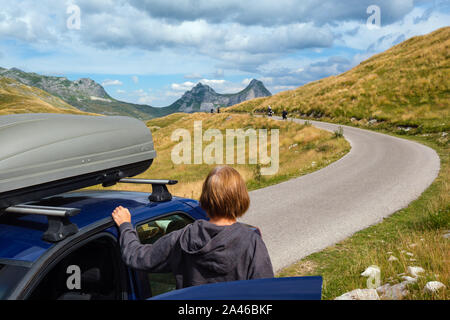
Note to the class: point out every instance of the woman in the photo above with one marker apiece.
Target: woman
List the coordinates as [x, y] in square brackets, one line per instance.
[220, 249]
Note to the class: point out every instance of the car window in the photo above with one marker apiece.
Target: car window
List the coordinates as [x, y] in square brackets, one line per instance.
[90, 272]
[10, 275]
[149, 233]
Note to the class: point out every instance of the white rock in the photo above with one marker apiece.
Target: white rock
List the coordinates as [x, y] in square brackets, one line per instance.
[446, 235]
[409, 254]
[360, 294]
[395, 292]
[409, 279]
[433, 286]
[414, 271]
[382, 289]
[392, 258]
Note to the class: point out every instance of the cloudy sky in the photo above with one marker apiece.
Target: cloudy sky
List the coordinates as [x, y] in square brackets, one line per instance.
[152, 51]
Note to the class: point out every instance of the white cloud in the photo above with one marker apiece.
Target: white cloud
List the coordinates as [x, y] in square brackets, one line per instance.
[213, 82]
[193, 76]
[109, 82]
[269, 12]
[185, 86]
[283, 43]
[147, 99]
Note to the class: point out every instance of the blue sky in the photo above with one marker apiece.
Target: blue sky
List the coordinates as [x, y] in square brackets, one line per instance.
[152, 51]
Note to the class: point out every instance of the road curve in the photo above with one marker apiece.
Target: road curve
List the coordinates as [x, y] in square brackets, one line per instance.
[380, 175]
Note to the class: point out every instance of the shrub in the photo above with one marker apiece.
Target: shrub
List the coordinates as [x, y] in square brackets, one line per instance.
[339, 132]
[257, 173]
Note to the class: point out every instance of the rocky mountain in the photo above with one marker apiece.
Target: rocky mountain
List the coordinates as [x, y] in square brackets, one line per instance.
[204, 98]
[84, 94]
[16, 97]
[89, 96]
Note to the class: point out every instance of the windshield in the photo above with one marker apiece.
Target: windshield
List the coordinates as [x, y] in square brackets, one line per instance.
[10, 275]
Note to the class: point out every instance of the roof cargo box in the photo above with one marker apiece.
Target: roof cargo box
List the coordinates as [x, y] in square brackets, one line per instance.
[47, 154]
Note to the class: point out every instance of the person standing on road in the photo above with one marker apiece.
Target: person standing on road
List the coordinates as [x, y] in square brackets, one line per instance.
[284, 114]
[220, 249]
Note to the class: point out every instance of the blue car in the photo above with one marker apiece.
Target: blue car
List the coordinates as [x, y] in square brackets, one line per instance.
[33, 268]
[58, 243]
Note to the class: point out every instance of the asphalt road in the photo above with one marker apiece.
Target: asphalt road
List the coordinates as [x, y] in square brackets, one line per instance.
[380, 175]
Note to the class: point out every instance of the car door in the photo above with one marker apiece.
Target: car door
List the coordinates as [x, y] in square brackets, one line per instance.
[153, 284]
[290, 288]
[89, 270]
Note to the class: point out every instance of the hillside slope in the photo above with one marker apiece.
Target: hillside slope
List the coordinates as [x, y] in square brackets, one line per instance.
[406, 87]
[89, 96]
[85, 94]
[16, 97]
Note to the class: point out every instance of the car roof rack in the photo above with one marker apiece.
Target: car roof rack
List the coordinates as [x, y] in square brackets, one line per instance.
[160, 193]
[59, 225]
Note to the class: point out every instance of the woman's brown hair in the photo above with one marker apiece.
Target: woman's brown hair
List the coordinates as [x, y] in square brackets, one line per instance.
[224, 194]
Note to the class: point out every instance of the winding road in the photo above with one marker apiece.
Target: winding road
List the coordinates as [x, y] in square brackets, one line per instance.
[380, 175]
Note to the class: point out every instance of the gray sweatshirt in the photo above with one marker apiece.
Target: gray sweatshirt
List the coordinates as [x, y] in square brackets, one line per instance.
[200, 253]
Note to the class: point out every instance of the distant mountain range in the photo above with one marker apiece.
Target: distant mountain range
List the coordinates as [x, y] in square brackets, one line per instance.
[16, 97]
[204, 98]
[89, 96]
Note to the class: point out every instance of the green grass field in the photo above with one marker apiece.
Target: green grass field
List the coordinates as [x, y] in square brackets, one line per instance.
[303, 149]
[403, 92]
[417, 230]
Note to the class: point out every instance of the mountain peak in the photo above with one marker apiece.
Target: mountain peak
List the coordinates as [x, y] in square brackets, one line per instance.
[258, 87]
[203, 98]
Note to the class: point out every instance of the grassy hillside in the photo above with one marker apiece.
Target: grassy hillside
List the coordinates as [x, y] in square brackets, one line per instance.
[414, 235]
[84, 94]
[303, 149]
[403, 92]
[113, 107]
[16, 97]
[404, 88]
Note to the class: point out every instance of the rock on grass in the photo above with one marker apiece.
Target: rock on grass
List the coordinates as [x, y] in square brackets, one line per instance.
[433, 286]
[360, 294]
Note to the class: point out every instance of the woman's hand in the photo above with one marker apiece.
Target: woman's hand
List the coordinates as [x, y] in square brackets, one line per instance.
[121, 215]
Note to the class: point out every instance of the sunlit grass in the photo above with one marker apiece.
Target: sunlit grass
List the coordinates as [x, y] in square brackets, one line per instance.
[303, 149]
[16, 98]
[413, 235]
